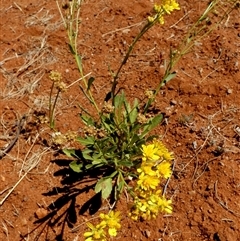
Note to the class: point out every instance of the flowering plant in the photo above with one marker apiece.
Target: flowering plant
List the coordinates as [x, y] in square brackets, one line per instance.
[114, 139]
[148, 199]
[110, 221]
[118, 142]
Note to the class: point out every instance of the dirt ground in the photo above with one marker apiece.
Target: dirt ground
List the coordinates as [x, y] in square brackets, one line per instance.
[41, 199]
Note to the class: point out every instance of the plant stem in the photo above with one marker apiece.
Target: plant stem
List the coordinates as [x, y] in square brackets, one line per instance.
[52, 109]
[146, 27]
[195, 33]
[71, 23]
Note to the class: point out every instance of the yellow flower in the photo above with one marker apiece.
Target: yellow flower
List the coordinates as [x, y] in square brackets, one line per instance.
[164, 169]
[150, 19]
[147, 169]
[149, 153]
[166, 7]
[112, 232]
[112, 221]
[146, 182]
[148, 207]
[170, 5]
[148, 201]
[157, 8]
[165, 205]
[96, 233]
[162, 151]
[161, 19]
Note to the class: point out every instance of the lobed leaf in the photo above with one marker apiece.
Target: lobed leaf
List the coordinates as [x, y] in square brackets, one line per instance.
[86, 141]
[104, 185]
[75, 166]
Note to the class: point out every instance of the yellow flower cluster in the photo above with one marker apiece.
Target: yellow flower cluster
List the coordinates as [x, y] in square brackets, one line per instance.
[110, 221]
[148, 206]
[155, 164]
[169, 6]
[166, 7]
[148, 201]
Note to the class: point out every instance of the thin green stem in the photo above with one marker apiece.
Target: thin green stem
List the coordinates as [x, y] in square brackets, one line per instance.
[71, 23]
[52, 110]
[146, 27]
[196, 33]
[50, 106]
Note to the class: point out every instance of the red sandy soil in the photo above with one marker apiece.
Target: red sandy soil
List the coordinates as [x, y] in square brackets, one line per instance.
[201, 125]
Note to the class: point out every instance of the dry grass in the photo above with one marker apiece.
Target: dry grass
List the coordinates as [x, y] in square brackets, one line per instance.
[22, 73]
[28, 75]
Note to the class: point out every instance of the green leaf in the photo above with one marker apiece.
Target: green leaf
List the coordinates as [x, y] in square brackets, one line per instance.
[79, 62]
[152, 124]
[118, 100]
[86, 141]
[127, 111]
[120, 186]
[98, 159]
[133, 114]
[86, 151]
[113, 174]
[69, 152]
[168, 78]
[105, 186]
[134, 139]
[87, 120]
[87, 157]
[106, 126]
[127, 106]
[96, 162]
[89, 166]
[155, 121]
[75, 166]
[71, 48]
[90, 81]
[118, 190]
[125, 163]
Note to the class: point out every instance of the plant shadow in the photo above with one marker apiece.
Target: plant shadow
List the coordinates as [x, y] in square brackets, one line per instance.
[64, 211]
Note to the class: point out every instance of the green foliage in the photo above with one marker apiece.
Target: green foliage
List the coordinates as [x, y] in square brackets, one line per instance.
[115, 142]
[118, 146]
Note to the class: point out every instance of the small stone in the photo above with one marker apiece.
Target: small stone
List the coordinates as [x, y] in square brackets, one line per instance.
[229, 91]
[194, 145]
[41, 213]
[126, 30]
[147, 233]
[24, 221]
[210, 187]
[173, 102]
[192, 192]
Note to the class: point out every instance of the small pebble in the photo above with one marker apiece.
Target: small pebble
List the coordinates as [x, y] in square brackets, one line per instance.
[173, 102]
[41, 213]
[24, 221]
[147, 233]
[194, 145]
[229, 91]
